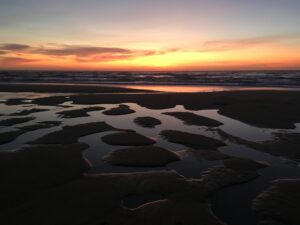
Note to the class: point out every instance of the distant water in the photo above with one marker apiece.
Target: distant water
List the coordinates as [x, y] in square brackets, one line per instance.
[228, 78]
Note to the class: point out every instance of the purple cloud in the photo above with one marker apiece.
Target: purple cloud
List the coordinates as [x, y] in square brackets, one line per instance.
[14, 47]
[80, 51]
[227, 45]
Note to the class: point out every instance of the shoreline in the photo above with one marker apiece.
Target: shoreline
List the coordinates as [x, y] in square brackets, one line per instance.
[261, 108]
[64, 88]
[131, 88]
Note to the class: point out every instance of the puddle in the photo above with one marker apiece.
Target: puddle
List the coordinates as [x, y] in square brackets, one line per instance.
[233, 204]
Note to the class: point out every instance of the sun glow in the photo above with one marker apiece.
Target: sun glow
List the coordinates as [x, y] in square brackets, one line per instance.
[150, 35]
[264, 56]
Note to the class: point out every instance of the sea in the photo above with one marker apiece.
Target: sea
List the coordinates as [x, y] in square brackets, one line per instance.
[203, 78]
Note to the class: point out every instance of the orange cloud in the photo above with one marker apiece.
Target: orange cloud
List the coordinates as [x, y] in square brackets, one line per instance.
[78, 52]
[15, 60]
[251, 53]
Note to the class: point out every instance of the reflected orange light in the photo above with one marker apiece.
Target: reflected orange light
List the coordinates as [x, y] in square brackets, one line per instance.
[193, 89]
[177, 88]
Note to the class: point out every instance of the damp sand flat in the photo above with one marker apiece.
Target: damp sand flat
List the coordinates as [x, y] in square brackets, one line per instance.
[216, 168]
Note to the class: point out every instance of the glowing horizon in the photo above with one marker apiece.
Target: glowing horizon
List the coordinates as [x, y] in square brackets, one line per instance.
[139, 35]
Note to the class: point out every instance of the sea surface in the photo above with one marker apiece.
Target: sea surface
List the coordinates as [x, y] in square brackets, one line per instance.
[208, 78]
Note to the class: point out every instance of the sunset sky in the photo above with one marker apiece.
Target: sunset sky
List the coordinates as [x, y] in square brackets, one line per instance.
[150, 34]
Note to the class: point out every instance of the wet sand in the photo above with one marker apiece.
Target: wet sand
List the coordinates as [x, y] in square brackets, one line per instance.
[271, 204]
[27, 112]
[120, 110]
[285, 144]
[127, 139]
[193, 119]
[63, 88]
[70, 134]
[45, 182]
[14, 121]
[195, 141]
[9, 136]
[147, 121]
[269, 109]
[141, 156]
[79, 112]
[272, 109]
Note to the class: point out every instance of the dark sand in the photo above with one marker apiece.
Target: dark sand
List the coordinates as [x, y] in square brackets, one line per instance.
[270, 109]
[279, 204]
[52, 101]
[146, 156]
[40, 125]
[9, 136]
[16, 101]
[127, 139]
[70, 134]
[195, 141]
[14, 121]
[194, 119]
[54, 123]
[79, 112]
[208, 154]
[48, 185]
[120, 110]
[147, 121]
[35, 167]
[27, 112]
[98, 199]
[284, 144]
[244, 166]
[64, 88]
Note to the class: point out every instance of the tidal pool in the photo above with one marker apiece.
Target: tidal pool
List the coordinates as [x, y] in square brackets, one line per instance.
[232, 204]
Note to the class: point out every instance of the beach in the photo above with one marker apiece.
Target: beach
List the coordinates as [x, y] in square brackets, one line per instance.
[149, 112]
[109, 154]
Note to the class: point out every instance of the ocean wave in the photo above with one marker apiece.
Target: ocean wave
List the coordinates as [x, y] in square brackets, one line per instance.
[220, 78]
